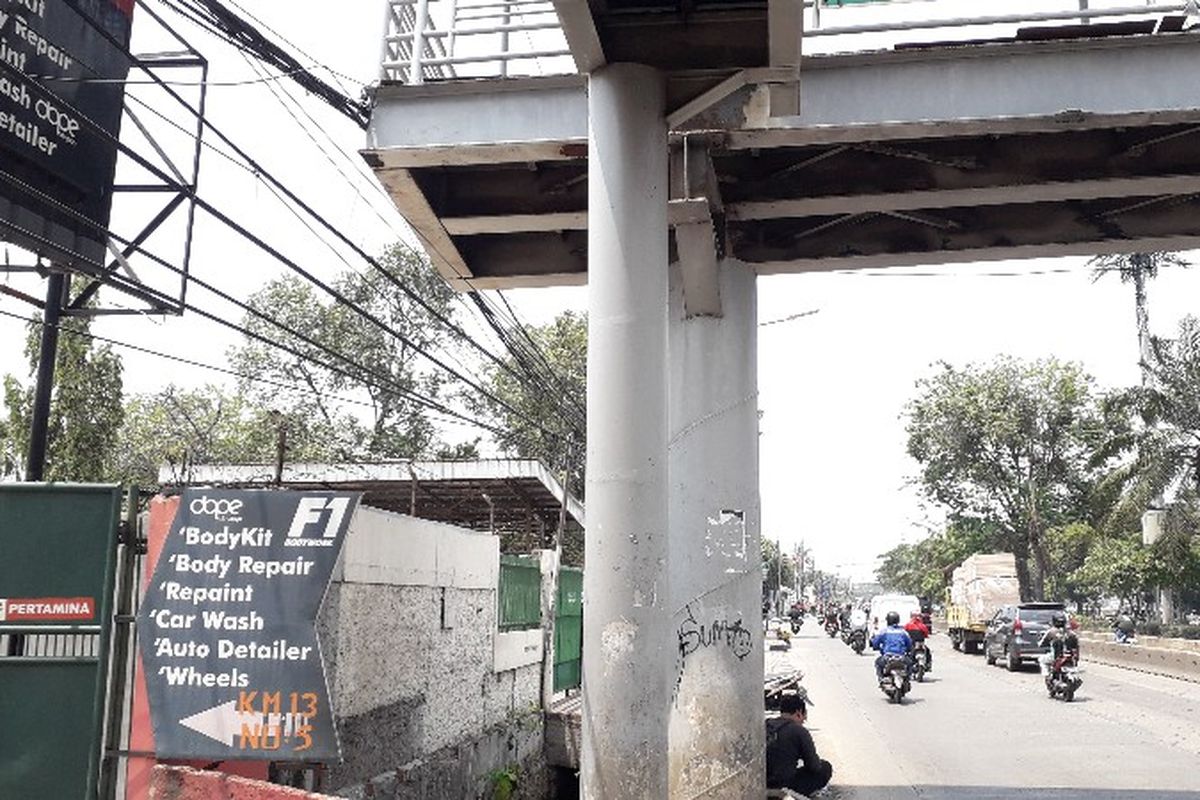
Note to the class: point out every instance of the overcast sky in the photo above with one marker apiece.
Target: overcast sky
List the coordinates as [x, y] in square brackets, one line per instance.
[832, 385]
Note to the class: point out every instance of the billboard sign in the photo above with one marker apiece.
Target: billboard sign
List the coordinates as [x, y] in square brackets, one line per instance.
[63, 64]
[232, 664]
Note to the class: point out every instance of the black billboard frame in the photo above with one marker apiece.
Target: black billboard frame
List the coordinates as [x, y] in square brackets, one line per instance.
[177, 185]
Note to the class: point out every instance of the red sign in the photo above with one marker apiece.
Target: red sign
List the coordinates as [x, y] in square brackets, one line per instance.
[47, 609]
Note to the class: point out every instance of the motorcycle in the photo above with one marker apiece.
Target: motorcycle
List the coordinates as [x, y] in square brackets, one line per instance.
[1064, 677]
[920, 661]
[831, 628]
[776, 685]
[895, 683]
[796, 623]
[857, 640]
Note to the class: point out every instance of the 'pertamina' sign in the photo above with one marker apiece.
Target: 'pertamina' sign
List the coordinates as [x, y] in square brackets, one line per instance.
[230, 653]
[63, 64]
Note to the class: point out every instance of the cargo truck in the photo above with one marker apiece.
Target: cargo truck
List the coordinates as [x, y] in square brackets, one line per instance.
[978, 588]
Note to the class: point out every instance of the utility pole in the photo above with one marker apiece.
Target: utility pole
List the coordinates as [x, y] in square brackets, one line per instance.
[57, 287]
[779, 577]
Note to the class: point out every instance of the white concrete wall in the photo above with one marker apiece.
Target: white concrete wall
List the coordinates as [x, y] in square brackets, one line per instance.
[398, 550]
[409, 632]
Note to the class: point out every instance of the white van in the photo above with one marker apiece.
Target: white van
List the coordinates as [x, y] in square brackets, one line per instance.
[903, 604]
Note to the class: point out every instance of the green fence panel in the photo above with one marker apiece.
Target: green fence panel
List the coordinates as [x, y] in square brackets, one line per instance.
[568, 630]
[520, 593]
[57, 557]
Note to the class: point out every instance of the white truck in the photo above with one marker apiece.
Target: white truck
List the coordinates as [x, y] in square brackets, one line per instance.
[978, 588]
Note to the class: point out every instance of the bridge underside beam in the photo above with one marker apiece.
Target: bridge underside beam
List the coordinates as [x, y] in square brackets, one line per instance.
[932, 155]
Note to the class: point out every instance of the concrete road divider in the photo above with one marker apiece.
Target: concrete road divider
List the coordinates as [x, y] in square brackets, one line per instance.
[1174, 658]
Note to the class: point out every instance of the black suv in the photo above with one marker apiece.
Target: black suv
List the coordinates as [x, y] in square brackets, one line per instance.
[1013, 634]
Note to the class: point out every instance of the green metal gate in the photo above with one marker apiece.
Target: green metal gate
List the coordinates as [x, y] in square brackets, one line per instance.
[568, 629]
[57, 561]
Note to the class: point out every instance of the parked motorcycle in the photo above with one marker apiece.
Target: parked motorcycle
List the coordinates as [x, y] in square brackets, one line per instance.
[857, 640]
[1065, 676]
[776, 685]
[895, 683]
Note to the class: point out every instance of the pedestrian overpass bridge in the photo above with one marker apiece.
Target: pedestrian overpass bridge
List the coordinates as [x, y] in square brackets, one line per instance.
[668, 152]
[1059, 138]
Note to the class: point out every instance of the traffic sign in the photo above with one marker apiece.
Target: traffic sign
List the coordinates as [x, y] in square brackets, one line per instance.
[233, 667]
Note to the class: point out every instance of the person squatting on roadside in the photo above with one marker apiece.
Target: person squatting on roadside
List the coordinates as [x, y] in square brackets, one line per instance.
[788, 744]
[1123, 629]
[892, 641]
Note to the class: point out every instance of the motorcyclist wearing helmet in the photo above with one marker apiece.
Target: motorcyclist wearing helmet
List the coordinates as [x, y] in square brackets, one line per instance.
[918, 631]
[1059, 639]
[892, 641]
[831, 615]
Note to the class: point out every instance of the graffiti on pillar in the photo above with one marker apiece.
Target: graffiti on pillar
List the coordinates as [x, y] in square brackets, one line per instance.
[694, 635]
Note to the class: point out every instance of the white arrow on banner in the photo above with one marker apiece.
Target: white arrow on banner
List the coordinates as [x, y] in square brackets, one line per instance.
[224, 722]
[221, 722]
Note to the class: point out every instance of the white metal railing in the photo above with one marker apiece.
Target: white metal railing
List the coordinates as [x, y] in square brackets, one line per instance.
[440, 39]
[862, 26]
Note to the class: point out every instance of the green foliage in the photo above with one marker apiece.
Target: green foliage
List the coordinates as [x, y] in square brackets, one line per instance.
[1009, 444]
[181, 428]
[1134, 267]
[774, 568]
[1174, 560]
[539, 408]
[85, 407]
[399, 426]
[924, 568]
[1067, 547]
[504, 782]
[1159, 446]
[1114, 567]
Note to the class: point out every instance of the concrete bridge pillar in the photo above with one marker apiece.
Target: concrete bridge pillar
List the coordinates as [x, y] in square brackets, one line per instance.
[627, 649]
[716, 723]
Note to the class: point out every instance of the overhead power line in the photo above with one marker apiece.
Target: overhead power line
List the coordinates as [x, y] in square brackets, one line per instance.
[228, 221]
[248, 377]
[222, 22]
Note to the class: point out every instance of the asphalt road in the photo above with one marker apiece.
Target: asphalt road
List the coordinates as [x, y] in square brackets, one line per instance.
[974, 732]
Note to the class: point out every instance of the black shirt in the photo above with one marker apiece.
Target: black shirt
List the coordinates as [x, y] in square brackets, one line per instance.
[788, 742]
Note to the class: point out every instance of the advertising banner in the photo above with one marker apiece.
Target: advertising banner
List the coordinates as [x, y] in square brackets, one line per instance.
[63, 64]
[230, 653]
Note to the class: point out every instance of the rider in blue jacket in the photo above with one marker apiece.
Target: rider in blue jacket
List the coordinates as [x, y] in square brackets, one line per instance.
[892, 641]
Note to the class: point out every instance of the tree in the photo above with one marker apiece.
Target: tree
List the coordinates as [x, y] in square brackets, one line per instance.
[387, 366]
[925, 568]
[776, 572]
[85, 407]
[1009, 444]
[1067, 547]
[1174, 558]
[1114, 567]
[1160, 449]
[1138, 269]
[177, 429]
[535, 419]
